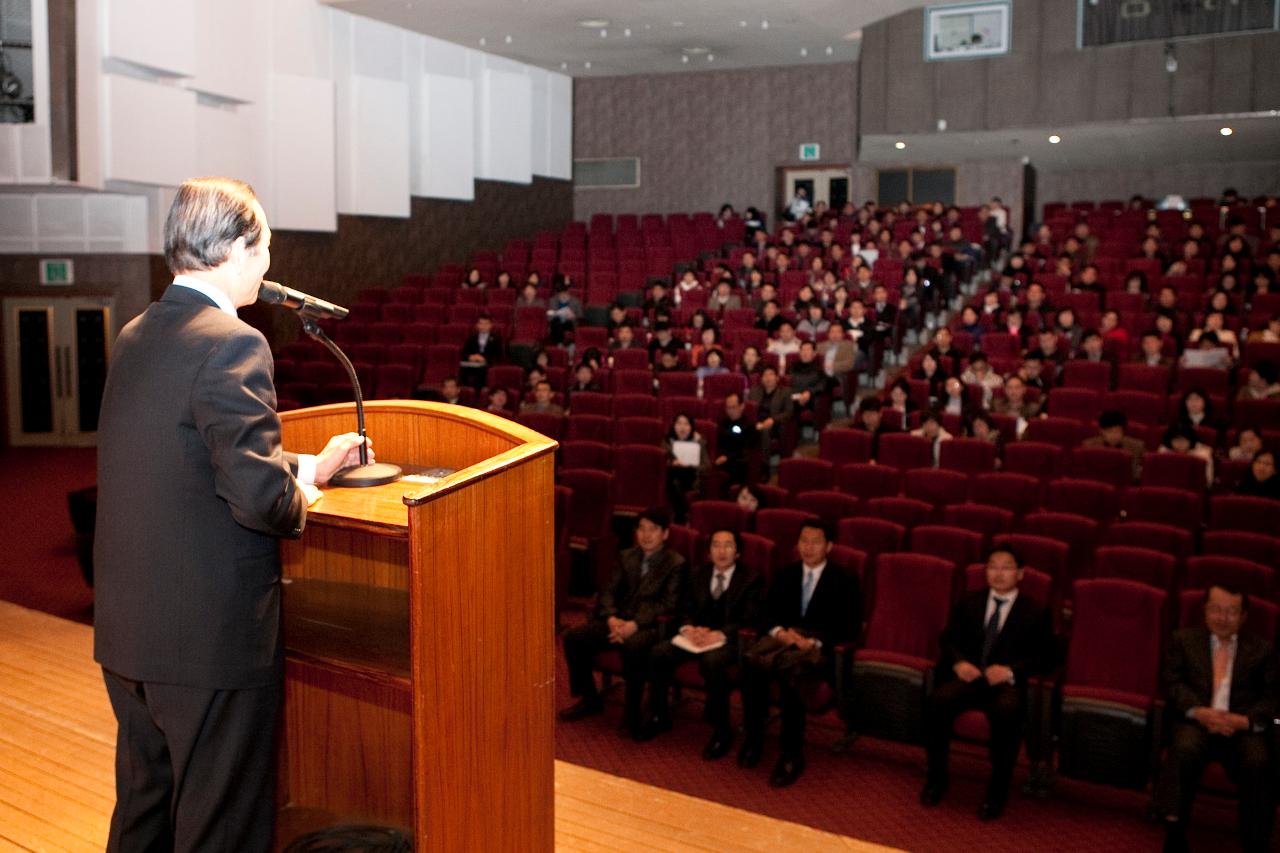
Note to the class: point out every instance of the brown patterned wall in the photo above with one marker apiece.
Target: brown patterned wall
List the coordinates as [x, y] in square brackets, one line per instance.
[707, 138]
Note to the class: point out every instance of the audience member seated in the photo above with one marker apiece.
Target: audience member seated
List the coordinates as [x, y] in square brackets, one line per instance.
[1068, 328]
[713, 364]
[750, 363]
[451, 391]
[564, 311]
[658, 302]
[995, 641]
[931, 428]
[584, 379]
[861, 329]
[815, 324]
[1151, 350]
[1014, 401]
[529, 297]
[480, 350]
[662, 339]
[723, 298]
[1220, 684]
[943, 349]
[542, 402]
[735, 440]
[897, 413]
[984, 429]
[1215, 323]
[1269, 335]
[1248, 443]
[499, 402]
[645, 588]
[1111, 433]
[932, 374]
[840, 357]
[1047, 343]
[1196, 409]
[1261, 384]
[979, 372]
[971, 324]
[785, 345]
[774, 410]
[624, 337]
[809, 381]
[687, 463]
[1182, 438]
[870, 418]
[1032, 370]
[708, 339]
[720, 597]
[812, 606]
[1260, 481]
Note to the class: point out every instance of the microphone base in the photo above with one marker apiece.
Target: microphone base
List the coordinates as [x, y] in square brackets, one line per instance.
[363, 476]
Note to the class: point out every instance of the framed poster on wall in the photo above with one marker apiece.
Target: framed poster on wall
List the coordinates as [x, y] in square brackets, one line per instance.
[967, 30]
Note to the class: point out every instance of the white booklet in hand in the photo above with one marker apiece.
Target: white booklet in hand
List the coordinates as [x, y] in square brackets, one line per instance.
[683, 642]
[687, 452]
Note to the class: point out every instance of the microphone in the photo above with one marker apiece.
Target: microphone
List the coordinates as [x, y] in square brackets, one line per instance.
[274, 293]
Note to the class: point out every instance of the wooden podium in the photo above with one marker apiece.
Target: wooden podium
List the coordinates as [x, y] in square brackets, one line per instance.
[419, 633]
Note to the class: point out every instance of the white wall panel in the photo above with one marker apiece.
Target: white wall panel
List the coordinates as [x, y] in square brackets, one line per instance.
[157, 34]
[226, 143]
[540, 121]
[377, 49]
[444, 157]
[560, 156]
[35, 146]
[446, 58]
[301, 40]
[231, 54]
[303, 194]
[60, 222]
[374, 179]
[505, 120]
[150, 132]
[17, 223]
[9, 153]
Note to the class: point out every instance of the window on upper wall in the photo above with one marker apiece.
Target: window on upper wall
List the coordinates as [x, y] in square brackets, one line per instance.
[918, 186]
[606, 173]
[17, 105]
[1102, 22]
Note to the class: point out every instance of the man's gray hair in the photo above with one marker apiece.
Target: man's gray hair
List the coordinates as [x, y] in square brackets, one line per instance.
[208, 215]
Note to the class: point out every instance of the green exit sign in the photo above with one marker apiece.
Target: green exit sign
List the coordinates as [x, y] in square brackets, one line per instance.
[57, 271]
[810, 151]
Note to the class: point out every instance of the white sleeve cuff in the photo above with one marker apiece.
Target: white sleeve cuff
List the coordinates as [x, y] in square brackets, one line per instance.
[306, 469]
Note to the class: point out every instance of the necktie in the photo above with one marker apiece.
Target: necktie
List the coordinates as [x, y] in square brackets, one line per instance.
[806, 591]
[644, 567]
[993, 631]
[717, 586]
[1221, 664]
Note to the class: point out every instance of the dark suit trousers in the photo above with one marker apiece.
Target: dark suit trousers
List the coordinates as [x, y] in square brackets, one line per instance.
[714, 667]
[796, 680]
[1006, 709]
[583, 642]
[195, 767]
[1247, 759]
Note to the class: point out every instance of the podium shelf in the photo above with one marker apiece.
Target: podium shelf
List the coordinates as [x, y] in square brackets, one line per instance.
[356, 627]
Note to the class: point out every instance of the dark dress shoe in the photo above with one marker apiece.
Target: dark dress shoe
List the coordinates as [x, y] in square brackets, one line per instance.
[653, 727]
[990, 809]
[786, 771]
[582, 709]
[932, 792]
[750, 754]
[719, 745]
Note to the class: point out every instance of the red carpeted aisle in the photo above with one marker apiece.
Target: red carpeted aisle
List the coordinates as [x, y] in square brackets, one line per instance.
[868, 793]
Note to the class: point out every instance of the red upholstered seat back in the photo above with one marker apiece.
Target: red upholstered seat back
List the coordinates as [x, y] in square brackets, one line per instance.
[1116, 635]
[913, 598]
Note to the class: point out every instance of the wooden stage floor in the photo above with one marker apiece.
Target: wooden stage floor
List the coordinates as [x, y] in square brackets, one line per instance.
[57, 739]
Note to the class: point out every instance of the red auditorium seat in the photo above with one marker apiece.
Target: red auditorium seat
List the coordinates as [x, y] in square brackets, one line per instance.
[1164, 506]
[1078, 532]
[782, 527]
[1037, 585]
[913, 594]
[1017, 493]
[1080, 404]
[1038, 552]
[866, 481]
[629, 359]
[1082, 497]
[826, 504]
[1264, 616]
[686, 542]
[585, 402]
[1174, 471]
[720, 385]
[677, 384]
[1254, 578]
[1110, 683]
[710, 516]
[1140, 407]
[1142, 565]
[757, 553]
[628, 381]
[509, 376]
[967, 455]
[1238, 512]
[799, 474]
[394, 381]
[1079, 373]
[987, 520]
[635, 406]
[591, 517]
[595, 455]
[954, 544]
[1102, 464]
[638, 431]
[1062, 433]
[552, 426]
[1248, 546]
[875, 536]
[1175, 541]
[843, 446]
[904, 451]
[936, 487]
[1033, 458]
[905, 511]
[589, 427]
[640, 477]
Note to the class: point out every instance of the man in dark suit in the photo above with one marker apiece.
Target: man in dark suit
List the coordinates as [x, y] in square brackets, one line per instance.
[193, 491]
[734, 440]
[720, 597]
[812, 607]
[645, 587]
[994, 642]
[1221, 687]
[774, 410]
[480, 350]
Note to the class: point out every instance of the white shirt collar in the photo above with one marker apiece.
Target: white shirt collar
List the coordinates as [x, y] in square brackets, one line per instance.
[817, 570]
[219, 298]
[728, 575]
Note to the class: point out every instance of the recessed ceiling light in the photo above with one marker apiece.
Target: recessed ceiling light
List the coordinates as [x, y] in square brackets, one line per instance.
[626, 33]
[1226, 131]
[593, 23]
[853, 36]
[1055, 139]
[677, 23]
[830, 50]
[587, 65]
[696, 51]
[685, 59]
[711, 57]
[507, 39]
[899, 145]
[604, 34]
[564, 66]
[764, 25]
[483, 41]
[804, 51]
[742, 23]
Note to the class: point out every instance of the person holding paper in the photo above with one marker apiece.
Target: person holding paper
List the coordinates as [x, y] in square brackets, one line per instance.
[194, 489]
[720, 597]
[687, 461]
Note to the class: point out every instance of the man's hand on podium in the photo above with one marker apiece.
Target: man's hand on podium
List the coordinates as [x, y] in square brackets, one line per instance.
[342, 451]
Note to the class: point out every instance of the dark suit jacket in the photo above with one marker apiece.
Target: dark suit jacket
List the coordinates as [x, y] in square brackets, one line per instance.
[1025, 643]
[739, 606]
[835, 607]
[193, 488]
[492, 349]
[643, 599]
[1188, 675]
[777, 405]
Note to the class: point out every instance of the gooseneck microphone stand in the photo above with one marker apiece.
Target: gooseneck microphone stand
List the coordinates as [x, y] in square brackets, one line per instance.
[366, 473]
